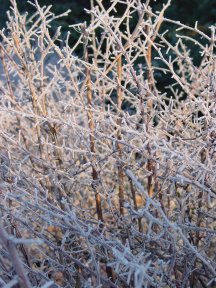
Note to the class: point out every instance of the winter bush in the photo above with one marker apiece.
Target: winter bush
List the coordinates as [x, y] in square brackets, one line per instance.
[107, 180]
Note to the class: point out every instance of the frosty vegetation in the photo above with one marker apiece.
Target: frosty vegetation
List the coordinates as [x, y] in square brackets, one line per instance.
[106, 181]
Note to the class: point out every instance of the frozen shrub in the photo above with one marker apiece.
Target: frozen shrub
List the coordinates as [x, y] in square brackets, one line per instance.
[106, 180]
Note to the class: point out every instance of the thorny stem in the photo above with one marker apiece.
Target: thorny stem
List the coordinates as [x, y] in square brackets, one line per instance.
[133, 192]
[32, 89]
[150, 78]
[95, 176]
[119, 137]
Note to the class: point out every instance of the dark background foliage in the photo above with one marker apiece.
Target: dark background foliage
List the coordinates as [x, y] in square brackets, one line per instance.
[203, 11]
[186, 11]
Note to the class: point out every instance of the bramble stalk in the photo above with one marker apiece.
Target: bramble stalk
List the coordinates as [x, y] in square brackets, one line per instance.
[95, 177]
[119, 137]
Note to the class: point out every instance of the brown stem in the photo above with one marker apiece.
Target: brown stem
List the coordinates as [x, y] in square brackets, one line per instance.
[150, 78]
[135, 204]
[92, 129]
[32, 89]
[119, 137]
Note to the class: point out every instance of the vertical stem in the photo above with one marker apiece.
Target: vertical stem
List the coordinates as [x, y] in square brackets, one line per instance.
[119, 137]
[32, 89]
[135, 204]
[150, 78]
[92, 147]
[149, 109]
[109, 270]
[93, 35]
[92, 129]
